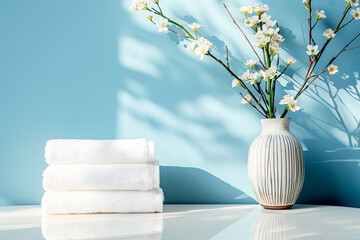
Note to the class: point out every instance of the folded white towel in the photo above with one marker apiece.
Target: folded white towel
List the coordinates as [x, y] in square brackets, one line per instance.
[102, 226]
[101, 177]
[102, 202]
[76, 151]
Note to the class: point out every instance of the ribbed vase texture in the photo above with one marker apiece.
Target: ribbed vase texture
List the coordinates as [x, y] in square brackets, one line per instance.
[275, 164]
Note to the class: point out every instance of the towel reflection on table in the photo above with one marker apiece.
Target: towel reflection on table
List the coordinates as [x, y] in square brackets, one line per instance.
[102, 226]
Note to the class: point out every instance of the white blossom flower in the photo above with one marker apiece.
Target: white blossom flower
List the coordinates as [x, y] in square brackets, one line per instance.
[290, 102]
[149, 16]
[312, 50]
[262, 41]
[201, 51]
[329, 33]
[292, 105]
[252, 78]
[244, 9]
[235, 82]
[264, 17]
[262, 74]
[246, 75]
[320, 14]
[246, 99]
[268, 73]
[194, 26]
[138, 5]
[162, 25]
[277, 37]
[290, 60]
[274, 48]
[203, 46]
[333, 69]
[352, 3]
[263, 9]
[271, 71]
[268, 31]
[269, 35]
[191, 46]
[254, 7]
[248, 22]
[251, 63]
[251, 21]
[306, 4]
[356, 13]
[269, 23]
[285, 100]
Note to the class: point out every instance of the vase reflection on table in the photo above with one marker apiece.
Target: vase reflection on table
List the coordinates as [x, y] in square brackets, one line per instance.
[273, 226]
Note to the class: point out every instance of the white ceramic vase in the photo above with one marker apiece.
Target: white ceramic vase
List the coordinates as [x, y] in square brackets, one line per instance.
[275, 165]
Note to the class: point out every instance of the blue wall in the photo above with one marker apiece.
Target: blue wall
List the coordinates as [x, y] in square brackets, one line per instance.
[91, 69]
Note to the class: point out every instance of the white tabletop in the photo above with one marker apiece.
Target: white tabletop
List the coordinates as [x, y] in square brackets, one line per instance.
[223, 222]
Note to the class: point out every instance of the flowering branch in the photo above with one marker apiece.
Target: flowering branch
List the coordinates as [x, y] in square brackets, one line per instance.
[317, 56]
[267, 35]
[310, 33]
[171, 21]
[242, 84]
[335, 31]
[332, 60]
[244, 36]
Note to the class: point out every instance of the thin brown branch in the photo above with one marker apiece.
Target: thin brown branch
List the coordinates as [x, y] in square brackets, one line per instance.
[250, 103]
[262, 95]
[179, 34]
[237, 25]
[263, 51]
[310, 30]
[314, 24]
[315, 77]
[227, 57]
[348, 49]
[159, 7]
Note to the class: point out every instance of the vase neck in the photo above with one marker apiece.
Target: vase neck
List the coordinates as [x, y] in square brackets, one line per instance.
[275, 125]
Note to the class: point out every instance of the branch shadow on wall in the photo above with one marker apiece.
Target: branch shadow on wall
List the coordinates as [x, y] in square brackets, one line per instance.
[332, 155]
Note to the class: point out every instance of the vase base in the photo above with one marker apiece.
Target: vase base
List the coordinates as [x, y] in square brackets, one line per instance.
[277, 207]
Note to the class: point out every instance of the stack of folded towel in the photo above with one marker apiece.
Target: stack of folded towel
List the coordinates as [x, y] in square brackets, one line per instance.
[101, 176]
